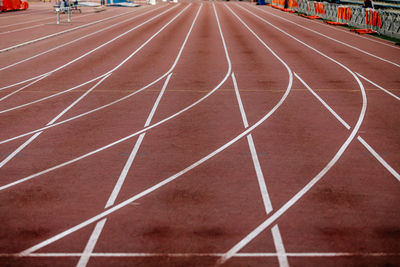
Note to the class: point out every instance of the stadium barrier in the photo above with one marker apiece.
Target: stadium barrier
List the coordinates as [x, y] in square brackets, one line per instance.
[368, 19]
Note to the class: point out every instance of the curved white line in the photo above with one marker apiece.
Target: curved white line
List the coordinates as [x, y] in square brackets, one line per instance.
[89, 52]
[246, 240]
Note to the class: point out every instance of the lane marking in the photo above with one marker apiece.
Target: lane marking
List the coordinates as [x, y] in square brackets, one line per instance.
[23, 87]
[247, 239]
[30, 140]
[117, 188]
[260, 176]
[323, 103]
[332, 39]
[175, 176]
[379, 87]
[283, 261]
[369, 148]
[379, 158]
[78, 39]
[90, 52]
[62, 32]
[280, 249]
[34, 26]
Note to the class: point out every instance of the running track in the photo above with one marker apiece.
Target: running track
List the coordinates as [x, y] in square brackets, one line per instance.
[196, 134]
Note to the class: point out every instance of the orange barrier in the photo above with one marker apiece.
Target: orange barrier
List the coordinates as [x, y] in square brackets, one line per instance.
[319, 8]
[373, 18]
[8, 5]
[344, 13]
[363, 31]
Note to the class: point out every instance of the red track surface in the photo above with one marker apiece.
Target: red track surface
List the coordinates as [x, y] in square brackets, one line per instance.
[197, 134]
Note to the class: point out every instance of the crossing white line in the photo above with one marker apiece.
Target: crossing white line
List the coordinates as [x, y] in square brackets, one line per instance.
[378, 86]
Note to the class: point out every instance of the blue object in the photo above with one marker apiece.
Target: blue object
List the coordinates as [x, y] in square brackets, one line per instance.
[261, 2]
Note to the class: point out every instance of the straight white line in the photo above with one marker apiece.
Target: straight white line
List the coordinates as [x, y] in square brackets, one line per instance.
[283, 261]
[238, 255]
[21, 147]
[117, 188]
[78, 39]
[380, 87]
[62, 32]
[379, 158]
[333, 39]
[280, 249]
[25, 22]
[260, 176]
[91, 51]
[87, 253]
[323, 103]
[247, 239]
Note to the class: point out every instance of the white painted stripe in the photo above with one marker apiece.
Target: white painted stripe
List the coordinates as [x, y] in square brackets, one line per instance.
[380, 87]
[171, 178]
[332, 39]
[260, 176]
[78, 39]
[324, 103]
[62, 32]
[23, 87]
[238, 255]
[132, 156]
[280, 249]
[379, 158]
[30, 140]
[87, 253]
[117, 188]
[247, 239]
[239, 99]
[34, 26]
[91, 51]
[26, 22]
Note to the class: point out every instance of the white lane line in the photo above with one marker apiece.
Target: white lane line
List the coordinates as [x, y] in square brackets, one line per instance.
[23, 87]
[98, 77]
[34, 26]
[380, 87]
[173, 177]
[137, 133]
[280, 249]
[323, 103]
[332, 39]
[184, 255]
[87, 253]
[166, 181]
[117, 188]
[62, 32]
[260, 176]
[379, 158]
[25, 22]
[247, 239]
[91, 51]
[21, 147]
[283, 261]
[78, 39]
[369, 148]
